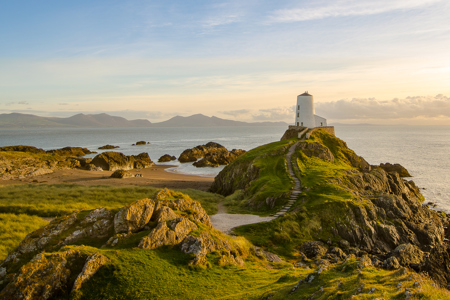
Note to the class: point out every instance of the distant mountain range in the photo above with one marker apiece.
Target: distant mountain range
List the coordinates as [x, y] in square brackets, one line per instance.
[17, 120]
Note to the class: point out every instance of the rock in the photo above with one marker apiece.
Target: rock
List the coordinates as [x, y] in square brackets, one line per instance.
[121, 174]
[180, 202]
[408, 254]
[71, 151]
[215, 159]
[92, 167]
[316, 150]
[292, 133]
[112, 161]
[164, 214]
[134, 216]
[140, 143]
[41, 278]
[313, 249]
[166, 158]
[97, 224]
[397, 168]
[21, 148]
[2, 273]
[92, 265]
[108, 147]
[364, 262]
[191, 155]
[163, 235]
[267, 255]
[391, 263]
[40, 171]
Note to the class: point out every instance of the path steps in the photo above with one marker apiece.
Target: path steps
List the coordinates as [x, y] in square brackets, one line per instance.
[296, 191]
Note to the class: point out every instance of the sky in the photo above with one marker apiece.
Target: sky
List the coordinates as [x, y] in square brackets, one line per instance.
[364, 61]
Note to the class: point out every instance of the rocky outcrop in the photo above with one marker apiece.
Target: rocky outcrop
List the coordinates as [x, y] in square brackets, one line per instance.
[292, 133]
[71, 151]
[191, 155]
[107, 147]
[134, 216]
[219, 158]
[395, 168]
[121, 174]
[166, 158]
[42, 277]
[92, 265]
[168, 218]
[112, 161]
[140, 143]
[22, 148]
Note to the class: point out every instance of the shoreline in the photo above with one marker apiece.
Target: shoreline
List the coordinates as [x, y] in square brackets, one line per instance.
[155, 176]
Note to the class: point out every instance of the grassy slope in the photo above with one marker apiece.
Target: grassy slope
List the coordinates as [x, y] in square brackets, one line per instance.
[273, 180]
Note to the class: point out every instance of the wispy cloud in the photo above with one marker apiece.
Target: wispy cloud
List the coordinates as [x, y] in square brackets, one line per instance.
[236, 113]
[346, 8]
[408, 108]
[274, 114]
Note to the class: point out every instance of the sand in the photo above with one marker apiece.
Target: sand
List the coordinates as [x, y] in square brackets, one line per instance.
[155, 176]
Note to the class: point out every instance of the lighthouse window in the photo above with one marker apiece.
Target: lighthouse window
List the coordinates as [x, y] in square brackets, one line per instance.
[298, 115]
[299, 107]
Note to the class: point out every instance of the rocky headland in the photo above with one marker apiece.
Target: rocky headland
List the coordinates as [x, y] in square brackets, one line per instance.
[344, 205]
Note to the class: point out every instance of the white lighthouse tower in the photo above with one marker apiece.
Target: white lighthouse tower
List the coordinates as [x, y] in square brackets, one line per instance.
[305, 113]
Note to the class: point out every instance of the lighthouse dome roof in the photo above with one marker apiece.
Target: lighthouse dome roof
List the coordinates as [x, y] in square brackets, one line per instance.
[305, 94]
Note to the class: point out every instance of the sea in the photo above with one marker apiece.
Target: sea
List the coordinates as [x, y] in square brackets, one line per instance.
[422, 150]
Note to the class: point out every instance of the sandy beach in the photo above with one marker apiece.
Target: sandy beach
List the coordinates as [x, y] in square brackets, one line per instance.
[156, 176]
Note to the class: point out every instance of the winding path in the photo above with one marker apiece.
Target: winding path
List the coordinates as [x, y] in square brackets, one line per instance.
[225, 222]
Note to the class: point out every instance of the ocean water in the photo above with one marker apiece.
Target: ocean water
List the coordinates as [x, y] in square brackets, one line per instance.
[423, 150]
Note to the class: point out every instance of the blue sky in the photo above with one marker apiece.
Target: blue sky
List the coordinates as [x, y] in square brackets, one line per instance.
[364, 61]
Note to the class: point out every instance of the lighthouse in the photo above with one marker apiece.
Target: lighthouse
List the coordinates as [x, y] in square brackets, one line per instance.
[305, 114]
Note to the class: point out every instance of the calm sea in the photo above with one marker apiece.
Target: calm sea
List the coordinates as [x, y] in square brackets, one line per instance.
[423, 150]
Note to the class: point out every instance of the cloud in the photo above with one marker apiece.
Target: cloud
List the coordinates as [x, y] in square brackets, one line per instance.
[17, 103]
[236, 113]
[347, 8]
[370, 108]
[274, 114]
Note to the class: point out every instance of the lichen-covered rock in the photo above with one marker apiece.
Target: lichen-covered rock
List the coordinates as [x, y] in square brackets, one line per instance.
[107, 147]
[364, 262]
[218, 158]
[191, 155]
[166, 158]
[180, 202]
[313, 249]
[391, 263]
[408, 254]
[163, 235]
[41, 278]
[164, 214]
[97, 224]
[390, 168]
[112, 161]
[71, 151]
[134, 216]
[271, 257]
[121, 174]
[316, 150]
[92, 265]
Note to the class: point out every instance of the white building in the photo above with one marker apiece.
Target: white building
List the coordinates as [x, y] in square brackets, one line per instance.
[305, 113]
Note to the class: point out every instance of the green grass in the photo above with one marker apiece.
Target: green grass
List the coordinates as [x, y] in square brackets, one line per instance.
[14, 228]
[163, 274]
[61, 199]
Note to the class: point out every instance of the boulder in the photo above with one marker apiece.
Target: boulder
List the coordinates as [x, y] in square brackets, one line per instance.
[92, 265]
[112, 161]
[106, 147]
[140, 143]
[167, 235]
[191, 155]
[71, 151]
[97, 224]
[134, 216]
[166, 158]
[408, 254]
[313, 249]
[121, 174]
[42, 277]
[21, 148]
[215, 159]
[397, 168]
